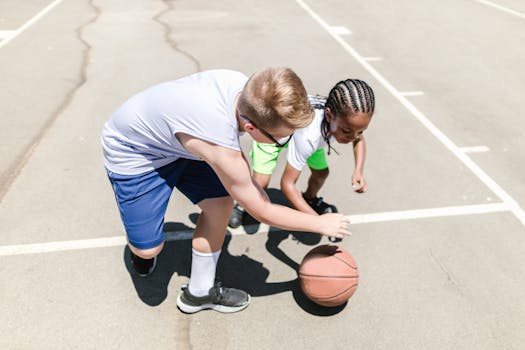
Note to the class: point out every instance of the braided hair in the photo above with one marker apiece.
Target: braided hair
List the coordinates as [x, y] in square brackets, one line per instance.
[347, 96]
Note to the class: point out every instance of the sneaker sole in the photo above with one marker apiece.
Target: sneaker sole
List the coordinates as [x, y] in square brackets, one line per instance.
[220, 308]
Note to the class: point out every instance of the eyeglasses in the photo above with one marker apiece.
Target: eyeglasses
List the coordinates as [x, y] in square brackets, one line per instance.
[267, 134]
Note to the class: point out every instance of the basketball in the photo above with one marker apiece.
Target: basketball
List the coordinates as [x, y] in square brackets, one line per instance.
[328, 275]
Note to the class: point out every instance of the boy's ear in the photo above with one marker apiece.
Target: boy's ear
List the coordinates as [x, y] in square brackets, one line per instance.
[246, 125]
[249, 127]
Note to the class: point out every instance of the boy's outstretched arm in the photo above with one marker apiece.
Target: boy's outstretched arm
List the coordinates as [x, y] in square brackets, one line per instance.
[358, 180]
[234, 172]
[292, 193]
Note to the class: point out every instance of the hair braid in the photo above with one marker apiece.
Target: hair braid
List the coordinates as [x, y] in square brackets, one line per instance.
[355, 93]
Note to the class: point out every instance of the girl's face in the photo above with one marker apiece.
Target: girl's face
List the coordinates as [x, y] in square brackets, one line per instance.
[347, 128]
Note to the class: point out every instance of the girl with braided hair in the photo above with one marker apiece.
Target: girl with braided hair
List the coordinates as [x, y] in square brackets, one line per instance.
[343, 116]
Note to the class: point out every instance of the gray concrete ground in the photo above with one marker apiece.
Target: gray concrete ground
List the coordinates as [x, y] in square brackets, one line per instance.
[439, 237]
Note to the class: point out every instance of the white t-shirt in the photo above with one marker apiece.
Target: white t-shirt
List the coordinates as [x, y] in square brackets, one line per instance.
[307, 140]
[140, 135]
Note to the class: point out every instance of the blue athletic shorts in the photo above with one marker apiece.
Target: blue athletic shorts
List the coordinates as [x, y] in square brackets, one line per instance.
[143, 199]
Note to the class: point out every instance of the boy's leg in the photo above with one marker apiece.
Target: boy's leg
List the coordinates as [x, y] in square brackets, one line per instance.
[207, 243]
[202, 186]
[142, 201]
[146, 253]
[211, 224]
[144, 261]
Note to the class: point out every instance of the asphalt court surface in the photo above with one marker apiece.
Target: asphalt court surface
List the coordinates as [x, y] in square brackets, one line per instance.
[439, 237]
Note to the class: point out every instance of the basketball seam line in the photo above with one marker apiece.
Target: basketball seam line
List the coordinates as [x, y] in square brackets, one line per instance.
[335, 296]
[344, 262]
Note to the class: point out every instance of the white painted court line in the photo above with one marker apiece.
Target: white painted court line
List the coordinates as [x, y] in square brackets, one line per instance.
[4, 34]
[339, 30]
[37, 248]
[29, 23]
[475, 149]
[484, 177]
[411, 93]
[373, 59]
[429, 213]
[501, 8]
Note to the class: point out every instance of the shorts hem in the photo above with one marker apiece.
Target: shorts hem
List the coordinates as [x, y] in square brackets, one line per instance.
[146, 245]
[317, 167]
[264, 172]
[218, 195]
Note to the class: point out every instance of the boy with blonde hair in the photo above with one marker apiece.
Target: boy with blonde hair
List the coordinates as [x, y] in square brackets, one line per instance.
[185, 134]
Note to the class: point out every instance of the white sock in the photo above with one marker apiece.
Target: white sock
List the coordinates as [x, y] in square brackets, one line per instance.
[202, 276]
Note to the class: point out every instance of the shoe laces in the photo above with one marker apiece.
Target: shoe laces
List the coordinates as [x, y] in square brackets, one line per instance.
[219, 290]
[316, 201]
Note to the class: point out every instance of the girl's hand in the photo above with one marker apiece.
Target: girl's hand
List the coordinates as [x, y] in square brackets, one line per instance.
[358, 183]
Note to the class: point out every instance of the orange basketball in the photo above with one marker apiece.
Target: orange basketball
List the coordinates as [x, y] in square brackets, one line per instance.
[328, 275]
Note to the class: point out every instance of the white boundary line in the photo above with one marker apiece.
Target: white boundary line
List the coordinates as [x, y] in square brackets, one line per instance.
[475, 149]
[5, 34]
[49, 247]
[340, 30]
[484, 177]
[412, 93]
[29, 23]
[501, 8]
[373, 59]
[428, 213]
[36, 248]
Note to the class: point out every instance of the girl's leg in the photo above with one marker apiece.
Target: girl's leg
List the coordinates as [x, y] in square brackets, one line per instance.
[315, 182]
[319, 173]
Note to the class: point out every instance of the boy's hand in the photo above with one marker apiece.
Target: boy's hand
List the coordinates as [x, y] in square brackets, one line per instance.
[334, 225]
[358, 183]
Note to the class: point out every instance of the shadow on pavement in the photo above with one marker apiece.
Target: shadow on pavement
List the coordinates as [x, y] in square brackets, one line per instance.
[235, 271]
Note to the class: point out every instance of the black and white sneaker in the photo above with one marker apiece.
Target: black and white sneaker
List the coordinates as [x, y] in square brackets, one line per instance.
[320, 206]
[219, 299]
[143, 267]
[236, 217]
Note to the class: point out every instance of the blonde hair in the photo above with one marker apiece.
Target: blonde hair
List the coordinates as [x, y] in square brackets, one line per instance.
[275, 97]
